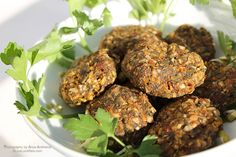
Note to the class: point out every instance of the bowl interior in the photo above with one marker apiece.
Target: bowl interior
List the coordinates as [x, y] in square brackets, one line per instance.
[216, 17]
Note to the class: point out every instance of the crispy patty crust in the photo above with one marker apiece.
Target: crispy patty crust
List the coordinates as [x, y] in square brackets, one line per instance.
[163, 70]
[130, 106]
[186, 126]
[121, 38]
[220, 84]
[196, 40]
[87, 78]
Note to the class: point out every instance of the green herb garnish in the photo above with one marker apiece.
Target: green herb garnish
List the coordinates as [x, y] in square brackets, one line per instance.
[94, 133]
[107, 17]
[142, 9]
[202, 2]
[233, 5]
[206, 2]
[228, 47]
[21, 62]
[89, 26]
[83, 22]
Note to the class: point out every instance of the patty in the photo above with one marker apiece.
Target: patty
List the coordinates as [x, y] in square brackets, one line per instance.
[163, 70]
[196, 40]
[220, 84]
[130, 106]
[186, 126]
[87, 78]
[121, 38]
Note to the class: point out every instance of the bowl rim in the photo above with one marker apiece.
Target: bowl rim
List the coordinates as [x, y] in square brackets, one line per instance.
[70, 152]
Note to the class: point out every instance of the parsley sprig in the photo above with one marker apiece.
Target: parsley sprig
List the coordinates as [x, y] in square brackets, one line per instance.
[21, 61]
[202, 2]
[228, 47]
[145, 9]
[233, 5]
[206, 2]
[83, 23]
[95, 132]
[142, 8]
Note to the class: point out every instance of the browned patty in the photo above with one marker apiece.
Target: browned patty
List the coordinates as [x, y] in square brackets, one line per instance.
[87, 78]
[122, 37]
[130, 106]
[163, 70]
[196, 40]
[220, 84]
[186, 126]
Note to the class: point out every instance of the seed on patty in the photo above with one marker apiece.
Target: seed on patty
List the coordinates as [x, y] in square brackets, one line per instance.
[163, 70]
[186, 126]
[130, 106]
[220, 84]
[87, 78]
[196, 40]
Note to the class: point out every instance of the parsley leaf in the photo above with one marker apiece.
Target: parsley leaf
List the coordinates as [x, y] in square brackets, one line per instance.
[107, 124]
[79, 4]
[138, 11]
[148, 147]
[141, 8]
[98, 145]
[107, 17]
[202, 2]
[38, 84]
[94, 131]
[89, 26]
[155, 6]
[32, 106]
[10, 52]
[83, 22]
[82, 128]
[14, 55]
[76, 5]
[206, 2]
[50, 48]
[167, 14]
[19, 68]
[20, 106]
[233, 5]
[21, 61]
[93, 3]
[228, 46]
[68, 30]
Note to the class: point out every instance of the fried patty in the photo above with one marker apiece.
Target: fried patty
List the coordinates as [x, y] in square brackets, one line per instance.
[87, 78]
[196, 40]
[163, 70]
[220, 84]
[130, 106]
[121, 38]
[186, 126]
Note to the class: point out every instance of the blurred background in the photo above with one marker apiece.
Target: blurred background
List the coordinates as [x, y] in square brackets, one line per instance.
[25, 22]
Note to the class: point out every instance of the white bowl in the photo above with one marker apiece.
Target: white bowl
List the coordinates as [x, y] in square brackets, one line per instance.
[216, 17]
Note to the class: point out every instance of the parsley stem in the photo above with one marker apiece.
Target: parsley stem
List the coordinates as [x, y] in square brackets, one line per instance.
[127, 151]
[84, 44]
[73, 115]
[118, 141]
[121, 151]
[166, 15]
[49, 114]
